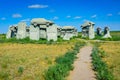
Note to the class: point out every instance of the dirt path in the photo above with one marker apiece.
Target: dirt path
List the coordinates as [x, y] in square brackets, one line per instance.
[82, 66]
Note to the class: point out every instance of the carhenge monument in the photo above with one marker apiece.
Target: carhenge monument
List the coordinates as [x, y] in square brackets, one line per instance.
[88, 30]
[39, 28]
[107, 33]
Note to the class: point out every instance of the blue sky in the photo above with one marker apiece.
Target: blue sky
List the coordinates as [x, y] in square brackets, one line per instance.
[62, 12]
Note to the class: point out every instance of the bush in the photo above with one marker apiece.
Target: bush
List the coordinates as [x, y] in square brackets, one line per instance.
[20, 70]
[60, 39]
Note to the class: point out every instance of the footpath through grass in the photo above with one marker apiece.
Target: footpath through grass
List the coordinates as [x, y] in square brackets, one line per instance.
[63, 65]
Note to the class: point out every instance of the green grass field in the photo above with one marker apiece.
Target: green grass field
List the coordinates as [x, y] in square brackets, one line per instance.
[115, 35]
[27, 60]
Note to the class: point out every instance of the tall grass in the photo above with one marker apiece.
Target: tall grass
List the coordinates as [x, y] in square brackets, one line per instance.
[28, 61]
[100, 66]
[112, 50]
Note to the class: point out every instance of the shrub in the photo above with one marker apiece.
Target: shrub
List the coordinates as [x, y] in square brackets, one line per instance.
[20, 70]
[60, 39]
[50, 42]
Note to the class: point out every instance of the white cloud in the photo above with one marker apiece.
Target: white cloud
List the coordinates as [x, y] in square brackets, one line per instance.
[16, 15]
[55, 18]
[3, 18]
[109, 14]
[25, 20]
[38, 6]
[68, 16]
[94, 16]
[77, 17]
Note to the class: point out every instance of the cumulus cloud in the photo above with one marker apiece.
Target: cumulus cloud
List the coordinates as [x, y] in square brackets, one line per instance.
[68, 16]
[94, 16]
[16, 15]
[55, 18]
[77, 17]
[109, 14]
[3, 18]
[37, 6]
[25, 20]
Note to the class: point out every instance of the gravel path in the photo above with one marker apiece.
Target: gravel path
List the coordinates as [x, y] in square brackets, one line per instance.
[83, 66]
